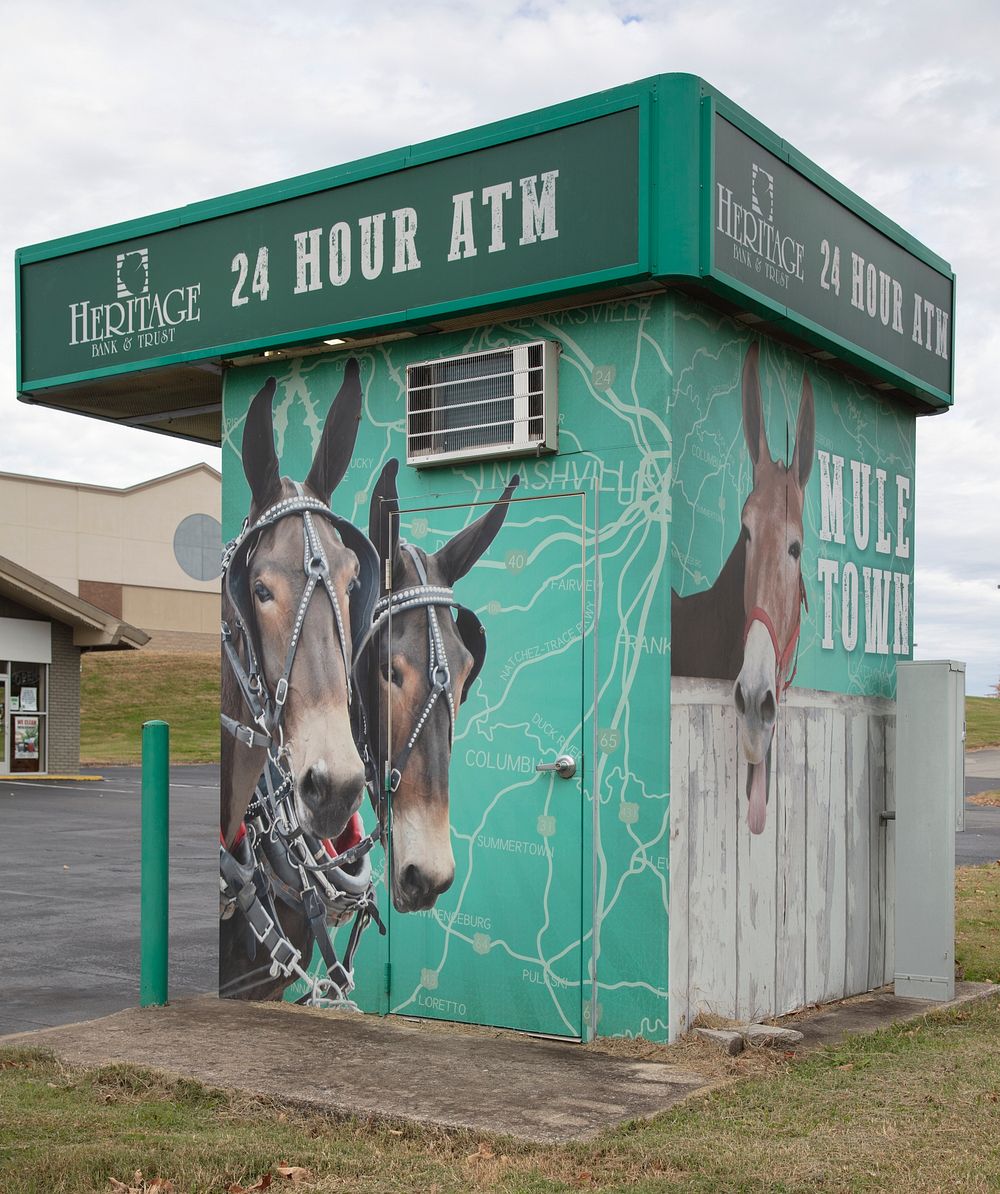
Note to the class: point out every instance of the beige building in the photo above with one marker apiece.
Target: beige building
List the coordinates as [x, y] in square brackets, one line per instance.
[149, 555]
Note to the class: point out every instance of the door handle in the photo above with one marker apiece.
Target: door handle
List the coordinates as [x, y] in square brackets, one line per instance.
[564, 766]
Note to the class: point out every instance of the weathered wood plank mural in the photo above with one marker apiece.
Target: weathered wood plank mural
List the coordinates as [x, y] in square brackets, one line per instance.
[763, 924]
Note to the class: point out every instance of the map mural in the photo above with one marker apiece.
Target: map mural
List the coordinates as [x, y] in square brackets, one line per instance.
[555, 918]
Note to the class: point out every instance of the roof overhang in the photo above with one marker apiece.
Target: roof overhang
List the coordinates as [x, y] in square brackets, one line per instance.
[661, 183]
[93, 628]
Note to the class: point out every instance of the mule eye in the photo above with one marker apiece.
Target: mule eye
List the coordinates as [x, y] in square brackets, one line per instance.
[392, 674]
[795, 550]
[262, 592]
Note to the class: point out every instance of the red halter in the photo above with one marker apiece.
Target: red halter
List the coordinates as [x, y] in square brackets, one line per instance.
[790, 654]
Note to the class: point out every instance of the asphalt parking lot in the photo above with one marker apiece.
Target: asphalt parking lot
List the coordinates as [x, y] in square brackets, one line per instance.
[69, 888]
[69, 894]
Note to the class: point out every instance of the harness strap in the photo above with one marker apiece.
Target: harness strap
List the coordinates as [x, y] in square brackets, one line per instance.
[439, 675]
[248, 679]
[242, 886]
[268, 712]
[281, 857]
[790, 654]
[244, 733]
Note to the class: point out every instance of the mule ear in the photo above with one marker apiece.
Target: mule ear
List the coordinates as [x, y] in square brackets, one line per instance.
[805, 435]
[459, 554]
[340, 431]
[260, 462]
[383, 526]
[753, 413]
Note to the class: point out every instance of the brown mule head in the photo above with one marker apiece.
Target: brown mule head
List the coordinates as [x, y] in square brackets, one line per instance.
[316, 726]
[423, 864]
[773, 588]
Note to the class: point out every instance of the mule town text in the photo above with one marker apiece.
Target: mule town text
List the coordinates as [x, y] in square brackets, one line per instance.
[881, 595]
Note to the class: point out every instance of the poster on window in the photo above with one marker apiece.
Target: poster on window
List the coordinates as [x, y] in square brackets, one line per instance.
[26, 731]
[29, 700]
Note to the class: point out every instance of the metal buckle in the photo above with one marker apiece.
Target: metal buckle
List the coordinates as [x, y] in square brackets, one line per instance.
[281, 691]
[440, 677]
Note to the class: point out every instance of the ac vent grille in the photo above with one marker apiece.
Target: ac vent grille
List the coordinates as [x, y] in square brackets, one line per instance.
[496, 403]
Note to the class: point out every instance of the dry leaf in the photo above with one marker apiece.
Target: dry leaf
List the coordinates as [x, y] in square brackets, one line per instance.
[262, 1183]
[395, 1131]
[160, 1185]
[584, 1177]
[849, 1066]
[294, 1173]
[482, 1153]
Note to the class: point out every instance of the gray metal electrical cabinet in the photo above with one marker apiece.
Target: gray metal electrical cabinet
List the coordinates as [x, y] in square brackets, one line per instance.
[930, 781]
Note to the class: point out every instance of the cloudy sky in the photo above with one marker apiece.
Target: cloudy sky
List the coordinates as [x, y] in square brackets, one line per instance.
[111, 111]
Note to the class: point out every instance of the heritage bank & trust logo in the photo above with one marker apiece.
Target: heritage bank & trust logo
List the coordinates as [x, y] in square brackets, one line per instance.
[133, 274]
[758, 244]
[139, 318]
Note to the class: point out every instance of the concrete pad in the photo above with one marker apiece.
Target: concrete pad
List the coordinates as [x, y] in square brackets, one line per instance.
[983, 764]
[360, 1065]
[449, 1076]
[879, 1009]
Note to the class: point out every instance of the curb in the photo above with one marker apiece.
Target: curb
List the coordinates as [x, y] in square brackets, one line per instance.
[18, 776]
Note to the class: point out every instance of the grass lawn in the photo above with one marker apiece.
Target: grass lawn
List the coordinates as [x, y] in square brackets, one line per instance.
[982, 721]
[122, 689]
[913, 1108]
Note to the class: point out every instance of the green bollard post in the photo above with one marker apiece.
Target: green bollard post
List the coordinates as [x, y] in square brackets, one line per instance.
[155, 862]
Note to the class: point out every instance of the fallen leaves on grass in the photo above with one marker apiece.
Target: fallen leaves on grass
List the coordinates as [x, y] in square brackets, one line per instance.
[159, 1185]
[262, 1184]
[985, 799]
[293, 1174]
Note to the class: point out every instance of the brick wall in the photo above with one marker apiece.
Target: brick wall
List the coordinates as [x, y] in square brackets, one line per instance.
[64, 701]
[103, 594]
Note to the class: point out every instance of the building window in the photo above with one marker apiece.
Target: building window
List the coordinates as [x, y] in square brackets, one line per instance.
[198, 546]
[23, 715]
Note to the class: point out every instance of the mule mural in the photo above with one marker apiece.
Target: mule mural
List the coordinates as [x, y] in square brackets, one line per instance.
[419, 673]
[746, 626]
[331, 690]
[297, 598]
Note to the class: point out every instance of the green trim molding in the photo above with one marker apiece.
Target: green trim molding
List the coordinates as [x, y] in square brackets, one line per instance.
[660, 182]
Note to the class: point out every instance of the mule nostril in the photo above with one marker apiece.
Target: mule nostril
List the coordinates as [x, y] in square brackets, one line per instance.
[741, 707]
[768, 708]
[412, 879]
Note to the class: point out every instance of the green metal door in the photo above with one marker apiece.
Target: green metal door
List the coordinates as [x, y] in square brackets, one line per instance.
[502, 945]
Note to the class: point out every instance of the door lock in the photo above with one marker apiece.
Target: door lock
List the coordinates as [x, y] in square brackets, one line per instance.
[564, 766]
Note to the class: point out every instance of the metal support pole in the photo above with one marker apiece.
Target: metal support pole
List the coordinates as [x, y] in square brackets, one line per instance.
[155, 863]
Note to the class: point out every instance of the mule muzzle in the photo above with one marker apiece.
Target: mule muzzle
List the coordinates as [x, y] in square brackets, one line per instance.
[327, 801]
[415, 889]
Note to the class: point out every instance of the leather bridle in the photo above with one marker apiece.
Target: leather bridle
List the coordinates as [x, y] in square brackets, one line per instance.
[783, 656]
[425, 595]
[273, 854]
